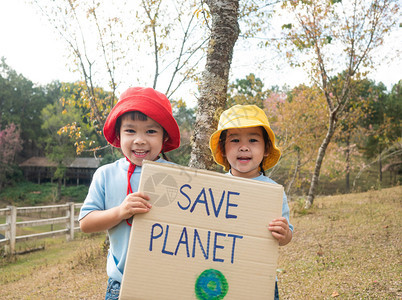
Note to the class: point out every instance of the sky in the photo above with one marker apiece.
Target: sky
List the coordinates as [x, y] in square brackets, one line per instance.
[29, 44]
[32, 48]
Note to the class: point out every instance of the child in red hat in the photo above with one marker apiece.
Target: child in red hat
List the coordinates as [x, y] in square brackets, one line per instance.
[143, 126]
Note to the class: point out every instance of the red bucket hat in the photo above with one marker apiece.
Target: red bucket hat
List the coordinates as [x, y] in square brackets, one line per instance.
[151, 103]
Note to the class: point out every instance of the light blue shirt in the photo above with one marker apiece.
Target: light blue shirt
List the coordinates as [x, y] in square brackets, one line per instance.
[108, 189]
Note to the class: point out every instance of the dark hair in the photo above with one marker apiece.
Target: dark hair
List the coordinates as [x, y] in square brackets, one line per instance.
[267, 141]
[137, 115]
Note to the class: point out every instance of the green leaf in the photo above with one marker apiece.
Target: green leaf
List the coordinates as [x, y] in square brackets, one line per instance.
[287, 26]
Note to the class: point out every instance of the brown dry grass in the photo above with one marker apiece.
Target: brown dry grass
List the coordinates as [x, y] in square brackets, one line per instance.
[73, 270]
[345, 247]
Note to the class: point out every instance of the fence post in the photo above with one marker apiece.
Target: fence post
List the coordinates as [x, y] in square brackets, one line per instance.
[70, 213]
[11, 220]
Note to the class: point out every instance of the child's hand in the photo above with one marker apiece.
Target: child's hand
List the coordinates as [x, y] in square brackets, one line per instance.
[135, 203]
[280, 230]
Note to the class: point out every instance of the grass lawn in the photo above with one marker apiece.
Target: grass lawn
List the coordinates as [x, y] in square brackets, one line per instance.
[345, 247]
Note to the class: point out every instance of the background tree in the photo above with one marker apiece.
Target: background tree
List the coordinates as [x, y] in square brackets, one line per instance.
[320, 28]
[166, 38]
[10, 145]
[382, 126]
[82, 127]
[247, 91]
[298, 119]
[20, 104]
[112, 48]
[346, 138]
[59, 146]
[185, 118]
[213, 89]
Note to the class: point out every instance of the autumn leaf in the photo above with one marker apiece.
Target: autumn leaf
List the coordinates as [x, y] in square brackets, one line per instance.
[335, 294]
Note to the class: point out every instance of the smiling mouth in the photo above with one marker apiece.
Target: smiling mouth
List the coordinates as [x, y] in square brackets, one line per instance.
[244, 159]
[140, 153]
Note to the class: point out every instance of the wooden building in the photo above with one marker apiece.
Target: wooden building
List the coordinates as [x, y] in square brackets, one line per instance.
[79, 171]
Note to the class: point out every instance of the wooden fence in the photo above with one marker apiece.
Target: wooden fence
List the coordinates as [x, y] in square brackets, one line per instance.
[69, 218]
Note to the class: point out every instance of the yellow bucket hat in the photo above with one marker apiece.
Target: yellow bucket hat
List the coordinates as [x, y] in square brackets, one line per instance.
[243, 116]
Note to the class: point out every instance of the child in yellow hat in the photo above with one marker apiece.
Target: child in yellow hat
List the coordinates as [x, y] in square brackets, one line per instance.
[244, 145]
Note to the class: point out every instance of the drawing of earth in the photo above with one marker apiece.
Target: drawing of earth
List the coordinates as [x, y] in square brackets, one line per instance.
[211, 284]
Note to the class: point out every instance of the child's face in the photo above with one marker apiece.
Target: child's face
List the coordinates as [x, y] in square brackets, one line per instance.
[140, 140]
[245, 149]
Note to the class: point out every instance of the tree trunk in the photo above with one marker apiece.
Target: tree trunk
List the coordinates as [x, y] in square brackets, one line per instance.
[213, 90]
[294, 174]
[320, 158]
[347, 163]
[58, 193]
[380, 164]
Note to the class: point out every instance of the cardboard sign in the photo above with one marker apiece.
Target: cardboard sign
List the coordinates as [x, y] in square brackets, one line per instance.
[206, 237]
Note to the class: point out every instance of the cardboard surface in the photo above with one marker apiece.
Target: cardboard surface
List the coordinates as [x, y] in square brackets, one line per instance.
[205, 236]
